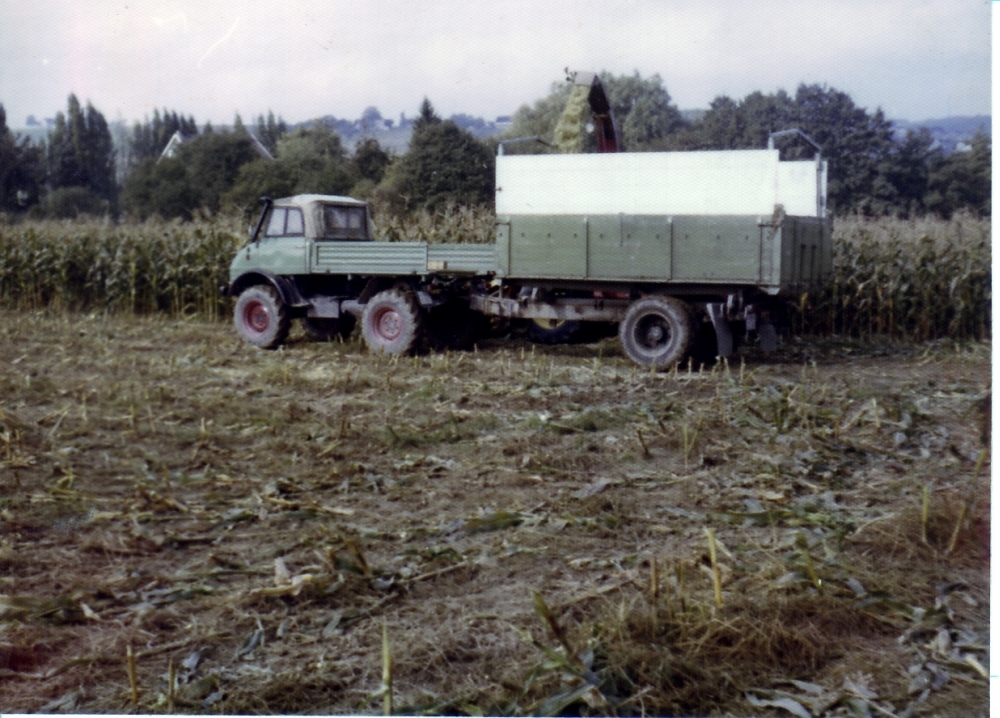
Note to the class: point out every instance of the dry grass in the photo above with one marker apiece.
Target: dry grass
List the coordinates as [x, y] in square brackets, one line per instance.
[528, 525]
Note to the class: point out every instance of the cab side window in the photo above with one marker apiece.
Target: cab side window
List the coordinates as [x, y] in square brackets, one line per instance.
[344, 222]
[285, 222]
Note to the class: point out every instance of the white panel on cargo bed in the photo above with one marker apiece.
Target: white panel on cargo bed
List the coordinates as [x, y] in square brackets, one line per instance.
[802, 188]
[733, 182]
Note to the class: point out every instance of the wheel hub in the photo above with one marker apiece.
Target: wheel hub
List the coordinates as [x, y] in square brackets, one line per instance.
[257, 317]
[389, 324]
[652, 333]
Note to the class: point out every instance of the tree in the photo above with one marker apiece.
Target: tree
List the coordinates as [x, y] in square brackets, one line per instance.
[370, 160]
[903, 174]
[72, 202]
[63, 166]
[443, 165]
[262, 178]
[746, 124]
[21, 169]
[860, 149]
[722, 127]
[370, 119]
[309, 160]
[238, 127]
[426, 117]
[150, 138]
[642, 110]
[962, 180]
[81, 153]
[319, 160]
[162, 188]
[199, 175]
[540, 119]
[213, 163]
[98, 150]
[271, 130]
[854, 142]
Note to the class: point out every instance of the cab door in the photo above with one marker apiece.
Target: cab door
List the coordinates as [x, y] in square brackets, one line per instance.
[281, 247]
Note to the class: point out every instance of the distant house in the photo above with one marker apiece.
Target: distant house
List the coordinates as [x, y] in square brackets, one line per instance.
[178, 139]
[175, 141]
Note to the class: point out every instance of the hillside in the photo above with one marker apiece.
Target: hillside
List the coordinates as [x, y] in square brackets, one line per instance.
[948, 131]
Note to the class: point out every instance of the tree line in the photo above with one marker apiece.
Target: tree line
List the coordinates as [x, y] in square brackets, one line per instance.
[78, 169]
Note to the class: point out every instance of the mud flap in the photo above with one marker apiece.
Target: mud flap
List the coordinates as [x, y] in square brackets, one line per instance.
[723, 334]
[768, 337]
[766, 331]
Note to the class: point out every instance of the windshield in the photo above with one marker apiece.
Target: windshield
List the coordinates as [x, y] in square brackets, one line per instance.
[344, 222]
[284, 222]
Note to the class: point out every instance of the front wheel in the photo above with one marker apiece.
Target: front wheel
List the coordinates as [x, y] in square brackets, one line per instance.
[261, 318]
[657, 331]
[392, 322]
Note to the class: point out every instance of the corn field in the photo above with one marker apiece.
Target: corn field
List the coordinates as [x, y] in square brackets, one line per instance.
[128, 268]
[906, 279]
[918, 279]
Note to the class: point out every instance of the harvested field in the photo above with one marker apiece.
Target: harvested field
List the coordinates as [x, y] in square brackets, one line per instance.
[190, 525]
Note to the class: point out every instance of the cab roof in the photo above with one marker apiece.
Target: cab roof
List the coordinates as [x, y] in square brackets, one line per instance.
[304, 199]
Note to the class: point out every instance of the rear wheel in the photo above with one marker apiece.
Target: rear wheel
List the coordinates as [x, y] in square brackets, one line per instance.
[392, 322]
[657, 331]
[261, 318]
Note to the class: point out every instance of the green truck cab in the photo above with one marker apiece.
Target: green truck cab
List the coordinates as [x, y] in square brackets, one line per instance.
[314, 258]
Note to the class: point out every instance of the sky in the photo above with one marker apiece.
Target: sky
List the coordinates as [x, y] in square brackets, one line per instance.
[303, 59]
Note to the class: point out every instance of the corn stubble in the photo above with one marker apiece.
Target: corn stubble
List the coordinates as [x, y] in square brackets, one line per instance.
[190, 525]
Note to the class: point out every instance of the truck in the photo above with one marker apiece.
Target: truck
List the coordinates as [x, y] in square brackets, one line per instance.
[684, 251]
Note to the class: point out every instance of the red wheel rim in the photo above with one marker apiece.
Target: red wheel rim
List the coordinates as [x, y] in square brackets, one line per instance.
[387, 323]
[256, 317]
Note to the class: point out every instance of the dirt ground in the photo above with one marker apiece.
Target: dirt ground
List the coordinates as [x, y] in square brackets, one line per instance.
[190, 525]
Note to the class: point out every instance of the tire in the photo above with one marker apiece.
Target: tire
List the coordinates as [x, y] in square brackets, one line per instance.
[261, 318]
[329, 330]
[392, 322]
[554, 331]
[657, 331]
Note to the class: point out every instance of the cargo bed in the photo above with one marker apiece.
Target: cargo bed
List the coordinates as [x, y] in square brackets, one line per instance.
[401, 258]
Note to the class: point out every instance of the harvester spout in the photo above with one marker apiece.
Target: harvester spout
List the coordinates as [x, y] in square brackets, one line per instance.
[600, 107]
